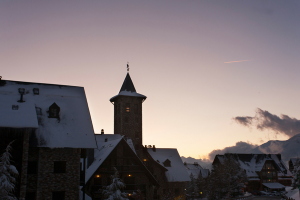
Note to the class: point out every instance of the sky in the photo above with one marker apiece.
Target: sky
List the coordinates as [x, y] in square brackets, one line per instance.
[201, 63]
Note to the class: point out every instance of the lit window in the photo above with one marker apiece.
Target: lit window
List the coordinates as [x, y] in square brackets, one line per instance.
[127, 107]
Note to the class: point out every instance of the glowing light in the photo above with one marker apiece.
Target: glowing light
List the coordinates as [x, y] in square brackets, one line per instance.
[145, 160]
[98, 176]
[129, 175]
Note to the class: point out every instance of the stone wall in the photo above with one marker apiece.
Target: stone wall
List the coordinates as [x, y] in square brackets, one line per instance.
[46, 181]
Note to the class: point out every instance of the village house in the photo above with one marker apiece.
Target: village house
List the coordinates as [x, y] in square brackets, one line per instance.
[52, 129]
[157, 172]
[195, 170]
[264, 171]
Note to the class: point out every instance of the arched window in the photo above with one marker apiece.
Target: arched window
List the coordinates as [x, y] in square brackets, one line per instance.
[54, 110]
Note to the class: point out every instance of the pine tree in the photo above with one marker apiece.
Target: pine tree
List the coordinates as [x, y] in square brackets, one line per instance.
[296, 174]
[113, 191]
[138, 195]
[200, 185]
[8, 174]
[191, 186]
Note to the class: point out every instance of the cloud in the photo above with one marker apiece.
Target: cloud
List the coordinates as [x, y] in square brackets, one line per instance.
[240, 147]
[264, 120]
[236, 61]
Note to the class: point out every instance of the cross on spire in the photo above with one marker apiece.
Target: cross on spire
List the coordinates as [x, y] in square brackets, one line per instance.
[127, 66]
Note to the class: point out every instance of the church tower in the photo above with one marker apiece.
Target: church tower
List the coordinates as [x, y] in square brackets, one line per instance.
[128, 113]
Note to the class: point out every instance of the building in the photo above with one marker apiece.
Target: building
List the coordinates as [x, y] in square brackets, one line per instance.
[168, 175]
[264, 171]
[52, 129]
[195, 170]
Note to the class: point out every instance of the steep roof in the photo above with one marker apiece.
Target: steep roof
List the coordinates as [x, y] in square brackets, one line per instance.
[128, 89]
[106, 144]
[295, 160]
[196, 169]
[253, 163]
[177, 171]
[73, 128]
[128, 84]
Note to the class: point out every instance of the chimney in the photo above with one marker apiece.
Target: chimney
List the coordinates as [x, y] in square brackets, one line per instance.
[154, 149]
[105, 140]
[102, 131]
[195, 163]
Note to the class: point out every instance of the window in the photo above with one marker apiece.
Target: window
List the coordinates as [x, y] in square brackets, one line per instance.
[36, 91]
[38, 111]
[15, 107]
[54, 110]
[167, 163]
[126, 119]
[127, 107]
[59, 166]
[32, 167]
[30, 196]
[58, 195]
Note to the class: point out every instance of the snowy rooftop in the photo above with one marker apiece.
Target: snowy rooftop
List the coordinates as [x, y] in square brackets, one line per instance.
[128, 89]
[274, 185]
[177, 171]
[295, 160]
[253, 163]
[102, 152]
[74, 127]
[196, 169]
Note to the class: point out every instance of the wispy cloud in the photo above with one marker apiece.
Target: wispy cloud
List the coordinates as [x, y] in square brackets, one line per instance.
[236, 61]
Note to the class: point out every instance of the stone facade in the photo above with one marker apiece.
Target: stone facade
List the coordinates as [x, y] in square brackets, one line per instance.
[45, 181]
[128, 119]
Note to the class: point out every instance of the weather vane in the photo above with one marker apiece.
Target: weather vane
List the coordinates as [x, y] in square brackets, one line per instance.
[127, 66]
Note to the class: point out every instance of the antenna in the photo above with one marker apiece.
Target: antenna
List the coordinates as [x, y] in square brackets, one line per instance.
[127, 66]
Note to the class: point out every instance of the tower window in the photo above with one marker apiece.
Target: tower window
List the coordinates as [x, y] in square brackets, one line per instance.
[32, 167]
[127, 107]
[54, 110]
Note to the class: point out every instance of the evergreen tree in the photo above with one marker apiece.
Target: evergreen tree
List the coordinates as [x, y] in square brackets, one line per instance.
[8, 174]
[113, 191]
[296, 174]
[226, 180]
[191, 187]
[200, 186]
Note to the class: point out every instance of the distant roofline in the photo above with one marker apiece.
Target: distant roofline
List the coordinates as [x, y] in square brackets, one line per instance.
[32, 83]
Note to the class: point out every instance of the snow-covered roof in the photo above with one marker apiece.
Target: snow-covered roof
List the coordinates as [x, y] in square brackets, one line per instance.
[15, 114]
[128, 89]
[196, 169]
[274, 185]
[177, 171]
[253, 163]
[74, 127]
[103, 151]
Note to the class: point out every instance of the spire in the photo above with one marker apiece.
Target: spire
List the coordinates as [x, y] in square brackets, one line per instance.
[128, 84]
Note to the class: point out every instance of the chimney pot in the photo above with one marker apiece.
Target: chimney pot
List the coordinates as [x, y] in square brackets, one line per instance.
[102, 131]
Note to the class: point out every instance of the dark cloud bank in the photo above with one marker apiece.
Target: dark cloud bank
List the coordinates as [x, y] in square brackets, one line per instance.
[263, 120]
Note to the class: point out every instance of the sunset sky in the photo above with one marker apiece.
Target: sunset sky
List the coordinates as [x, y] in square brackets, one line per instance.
[200, 62]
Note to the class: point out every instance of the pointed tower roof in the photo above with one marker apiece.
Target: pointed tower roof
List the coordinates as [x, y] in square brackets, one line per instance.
[128, 84]
[128, 89]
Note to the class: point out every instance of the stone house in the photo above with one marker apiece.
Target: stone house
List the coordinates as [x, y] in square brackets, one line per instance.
[164, 165]
[52, 129]
[264, 171]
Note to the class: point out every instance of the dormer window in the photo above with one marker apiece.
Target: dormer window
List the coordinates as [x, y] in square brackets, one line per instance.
[167, 163]
[36, 91]
[54, 111]
[127, 107]
[15, 107]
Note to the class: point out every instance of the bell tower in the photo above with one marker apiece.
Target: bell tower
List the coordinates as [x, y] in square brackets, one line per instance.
[128, 113]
